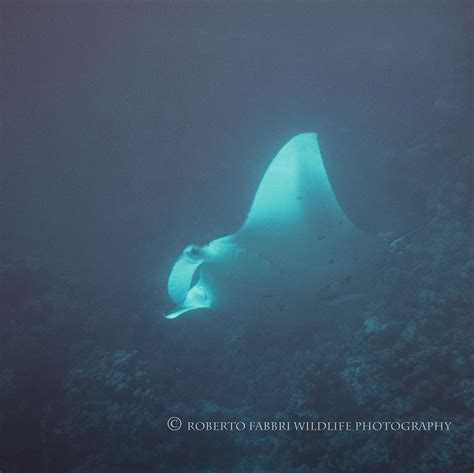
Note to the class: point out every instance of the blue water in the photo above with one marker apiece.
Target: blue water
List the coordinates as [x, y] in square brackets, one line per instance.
[130, 130]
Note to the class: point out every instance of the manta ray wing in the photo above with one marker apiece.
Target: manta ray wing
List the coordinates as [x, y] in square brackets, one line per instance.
[295, 197]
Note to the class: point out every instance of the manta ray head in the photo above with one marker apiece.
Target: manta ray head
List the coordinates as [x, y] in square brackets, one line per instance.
[195, 252]
[212, 251]
[186, 287]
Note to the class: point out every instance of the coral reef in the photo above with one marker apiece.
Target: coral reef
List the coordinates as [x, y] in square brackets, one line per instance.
[88, 383]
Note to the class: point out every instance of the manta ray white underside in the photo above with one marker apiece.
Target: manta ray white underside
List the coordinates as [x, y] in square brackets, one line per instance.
[295, 245]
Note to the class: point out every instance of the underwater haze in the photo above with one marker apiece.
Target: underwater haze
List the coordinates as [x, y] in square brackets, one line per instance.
[133, 129]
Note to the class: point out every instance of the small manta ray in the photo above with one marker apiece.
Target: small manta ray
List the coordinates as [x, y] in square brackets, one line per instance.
[296, 247]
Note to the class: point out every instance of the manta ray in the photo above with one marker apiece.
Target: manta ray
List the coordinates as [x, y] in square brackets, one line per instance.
[295, 248]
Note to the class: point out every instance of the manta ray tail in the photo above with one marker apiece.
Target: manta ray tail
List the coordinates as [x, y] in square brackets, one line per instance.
[394, 244]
